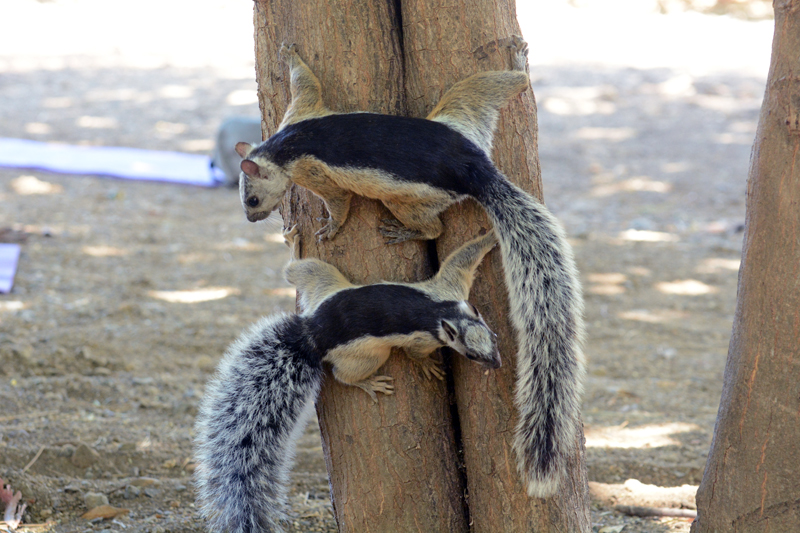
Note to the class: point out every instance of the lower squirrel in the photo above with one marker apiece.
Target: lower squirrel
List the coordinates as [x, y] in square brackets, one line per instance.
[418, 168]
[259, 402]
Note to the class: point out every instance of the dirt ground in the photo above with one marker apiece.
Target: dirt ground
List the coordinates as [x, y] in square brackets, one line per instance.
[128, 292]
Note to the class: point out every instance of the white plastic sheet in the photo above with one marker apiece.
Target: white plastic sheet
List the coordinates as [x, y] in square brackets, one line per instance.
[127, 163]
[9, 255]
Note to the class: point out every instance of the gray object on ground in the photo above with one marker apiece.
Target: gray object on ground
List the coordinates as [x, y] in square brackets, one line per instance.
[231, 131]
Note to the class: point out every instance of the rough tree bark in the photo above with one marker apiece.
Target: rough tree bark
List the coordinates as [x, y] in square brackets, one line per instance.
[395, 465]
[444, 42]
[750, 481]
[380, 457]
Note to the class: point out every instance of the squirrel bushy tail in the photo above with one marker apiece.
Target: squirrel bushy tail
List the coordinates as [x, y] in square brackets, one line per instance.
[541, 278]
[253, 412]
[547, 313]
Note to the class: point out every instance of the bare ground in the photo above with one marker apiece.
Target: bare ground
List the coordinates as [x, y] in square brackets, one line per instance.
[128, 293]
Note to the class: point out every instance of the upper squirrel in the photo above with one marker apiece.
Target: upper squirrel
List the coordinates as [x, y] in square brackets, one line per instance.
[257, 405]
[418, 168]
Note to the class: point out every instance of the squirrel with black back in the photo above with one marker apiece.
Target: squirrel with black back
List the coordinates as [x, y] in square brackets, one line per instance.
[417, 168]
[258, 403]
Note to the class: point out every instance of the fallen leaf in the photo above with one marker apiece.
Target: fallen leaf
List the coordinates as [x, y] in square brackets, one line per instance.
[104, 511]
[611, 529]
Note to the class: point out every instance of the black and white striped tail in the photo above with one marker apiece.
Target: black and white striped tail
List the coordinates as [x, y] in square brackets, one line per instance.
[547, 313]
[254, 410]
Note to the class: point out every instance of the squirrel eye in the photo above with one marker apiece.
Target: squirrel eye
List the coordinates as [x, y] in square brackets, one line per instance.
[253, 201]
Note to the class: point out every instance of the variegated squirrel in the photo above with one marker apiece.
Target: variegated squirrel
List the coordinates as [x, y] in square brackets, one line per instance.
[258, 403]
[417, 168]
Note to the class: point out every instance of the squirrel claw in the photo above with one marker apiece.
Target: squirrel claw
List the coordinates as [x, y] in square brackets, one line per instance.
[395, 232]
[375, 384]
[291, 235]
[328, 231]
[519, 50]
[431, 368]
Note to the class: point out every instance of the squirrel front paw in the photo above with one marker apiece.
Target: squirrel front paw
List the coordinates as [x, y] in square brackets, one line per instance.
[382, 384]
[431, 368]
[329, 230]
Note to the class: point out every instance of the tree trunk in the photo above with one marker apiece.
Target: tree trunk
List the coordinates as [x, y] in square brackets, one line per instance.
[750, 481]
[380, 457]
[394, 465]
[442, 45]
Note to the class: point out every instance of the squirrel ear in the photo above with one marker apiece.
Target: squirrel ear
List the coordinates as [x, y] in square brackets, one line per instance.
[449, 330]
[250, 168]
[243, 149]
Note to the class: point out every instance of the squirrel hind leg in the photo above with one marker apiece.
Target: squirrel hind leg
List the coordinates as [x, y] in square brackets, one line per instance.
[457, 272]
[315, 281]
[414, 222]
[305, 88]
[472, 106]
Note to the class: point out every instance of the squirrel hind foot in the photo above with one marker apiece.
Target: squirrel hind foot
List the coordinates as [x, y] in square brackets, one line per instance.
[395, 232]
[519, 53]
[329, 230]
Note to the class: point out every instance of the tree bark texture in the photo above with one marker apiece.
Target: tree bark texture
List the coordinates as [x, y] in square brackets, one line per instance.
[406, 463]
[750, 482]
[444, 42]
[391, 463]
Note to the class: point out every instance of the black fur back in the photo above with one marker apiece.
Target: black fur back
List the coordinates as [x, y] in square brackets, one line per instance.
[376, 310]
[411, 149]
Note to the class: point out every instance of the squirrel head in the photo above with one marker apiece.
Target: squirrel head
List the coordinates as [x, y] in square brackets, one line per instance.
[262, 183]
[469, 335]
